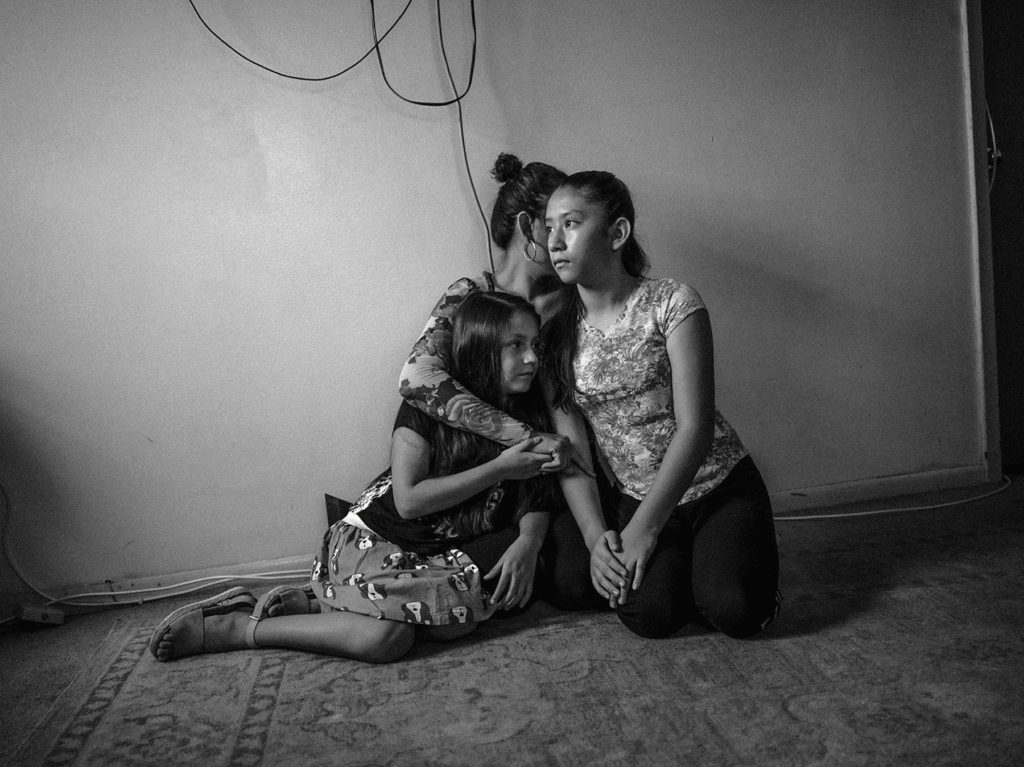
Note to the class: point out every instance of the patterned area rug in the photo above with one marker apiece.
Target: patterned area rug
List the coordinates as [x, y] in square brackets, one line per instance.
[894, 647]
[569, 690]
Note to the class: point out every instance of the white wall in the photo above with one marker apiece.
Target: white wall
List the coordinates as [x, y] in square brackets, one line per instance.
[211, 275]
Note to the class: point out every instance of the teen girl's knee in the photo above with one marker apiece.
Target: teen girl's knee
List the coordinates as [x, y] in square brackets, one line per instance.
[743, 617]
[651, 619]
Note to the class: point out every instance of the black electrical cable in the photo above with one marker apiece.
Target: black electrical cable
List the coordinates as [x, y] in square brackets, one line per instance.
[380, 61]
[994, 156]
[457, 100]
[472, 63]
[376, 42]
[462, 127]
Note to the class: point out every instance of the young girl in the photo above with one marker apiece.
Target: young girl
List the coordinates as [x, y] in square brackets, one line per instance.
[454, 510]
[687, 529]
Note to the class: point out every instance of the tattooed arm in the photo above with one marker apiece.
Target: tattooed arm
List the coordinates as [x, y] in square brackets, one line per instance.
[426, 385]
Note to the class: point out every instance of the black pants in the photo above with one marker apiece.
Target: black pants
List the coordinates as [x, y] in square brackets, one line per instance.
[485, 552]
[716, 561]
[563, 568]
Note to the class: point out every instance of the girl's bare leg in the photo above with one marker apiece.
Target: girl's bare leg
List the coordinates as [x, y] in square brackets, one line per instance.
[348, 635]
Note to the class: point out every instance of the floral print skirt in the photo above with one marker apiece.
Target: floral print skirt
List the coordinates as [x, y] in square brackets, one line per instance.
[358, 571]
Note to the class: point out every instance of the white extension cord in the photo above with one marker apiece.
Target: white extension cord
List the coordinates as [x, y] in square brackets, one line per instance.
[47, 613]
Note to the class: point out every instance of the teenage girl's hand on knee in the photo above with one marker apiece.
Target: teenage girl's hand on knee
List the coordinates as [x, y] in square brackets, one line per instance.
[607, 571]
[637, 547]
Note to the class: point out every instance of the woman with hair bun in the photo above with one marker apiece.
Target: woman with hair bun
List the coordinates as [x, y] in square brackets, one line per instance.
[524, 269]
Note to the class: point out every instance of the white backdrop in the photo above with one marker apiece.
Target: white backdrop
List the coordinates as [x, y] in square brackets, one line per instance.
[211, 275]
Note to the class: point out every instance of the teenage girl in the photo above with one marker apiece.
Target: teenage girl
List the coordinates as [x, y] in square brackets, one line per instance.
[414, 552]
[685, 530]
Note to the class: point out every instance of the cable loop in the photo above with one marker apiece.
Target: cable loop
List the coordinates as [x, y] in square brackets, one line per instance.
[299, 77]
[380, 62]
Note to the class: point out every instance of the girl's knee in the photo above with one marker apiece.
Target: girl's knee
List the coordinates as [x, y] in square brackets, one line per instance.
[651, 620]
[742, 615]
[652, 628]
[388, 642]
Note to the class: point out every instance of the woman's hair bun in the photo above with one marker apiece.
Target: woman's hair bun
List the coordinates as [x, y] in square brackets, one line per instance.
[506, 168]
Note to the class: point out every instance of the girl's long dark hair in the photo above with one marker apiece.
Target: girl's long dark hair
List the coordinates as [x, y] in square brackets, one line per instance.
[561, 335]
[479, 325]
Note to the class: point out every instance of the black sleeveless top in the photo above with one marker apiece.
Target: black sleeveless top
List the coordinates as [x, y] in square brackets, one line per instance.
[443, 530]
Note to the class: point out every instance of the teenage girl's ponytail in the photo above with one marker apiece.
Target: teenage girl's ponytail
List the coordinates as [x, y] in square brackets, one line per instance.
[604, 190]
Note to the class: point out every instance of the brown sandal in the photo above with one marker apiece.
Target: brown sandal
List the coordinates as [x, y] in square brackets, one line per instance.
[188, 622]
[290, 600]
[286, 600]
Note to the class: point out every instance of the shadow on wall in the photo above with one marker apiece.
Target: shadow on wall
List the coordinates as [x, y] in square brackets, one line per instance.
[841, 356]
[28, 485]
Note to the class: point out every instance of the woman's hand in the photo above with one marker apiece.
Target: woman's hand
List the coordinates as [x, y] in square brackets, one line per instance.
[519, 462]
[637, 546]
[607, 571]
[517, 569]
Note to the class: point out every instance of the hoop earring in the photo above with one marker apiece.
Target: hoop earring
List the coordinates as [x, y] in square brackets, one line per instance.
[526, 250]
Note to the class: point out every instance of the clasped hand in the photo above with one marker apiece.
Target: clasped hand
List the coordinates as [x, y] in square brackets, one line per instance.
[561, 454]
[520, 461]
[541, 454]
[618, 562]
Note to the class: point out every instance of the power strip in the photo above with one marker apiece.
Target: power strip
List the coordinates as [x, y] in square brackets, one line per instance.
[40, 615]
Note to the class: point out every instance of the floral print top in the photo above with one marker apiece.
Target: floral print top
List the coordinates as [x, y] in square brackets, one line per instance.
[426, 384]
[624, 382]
